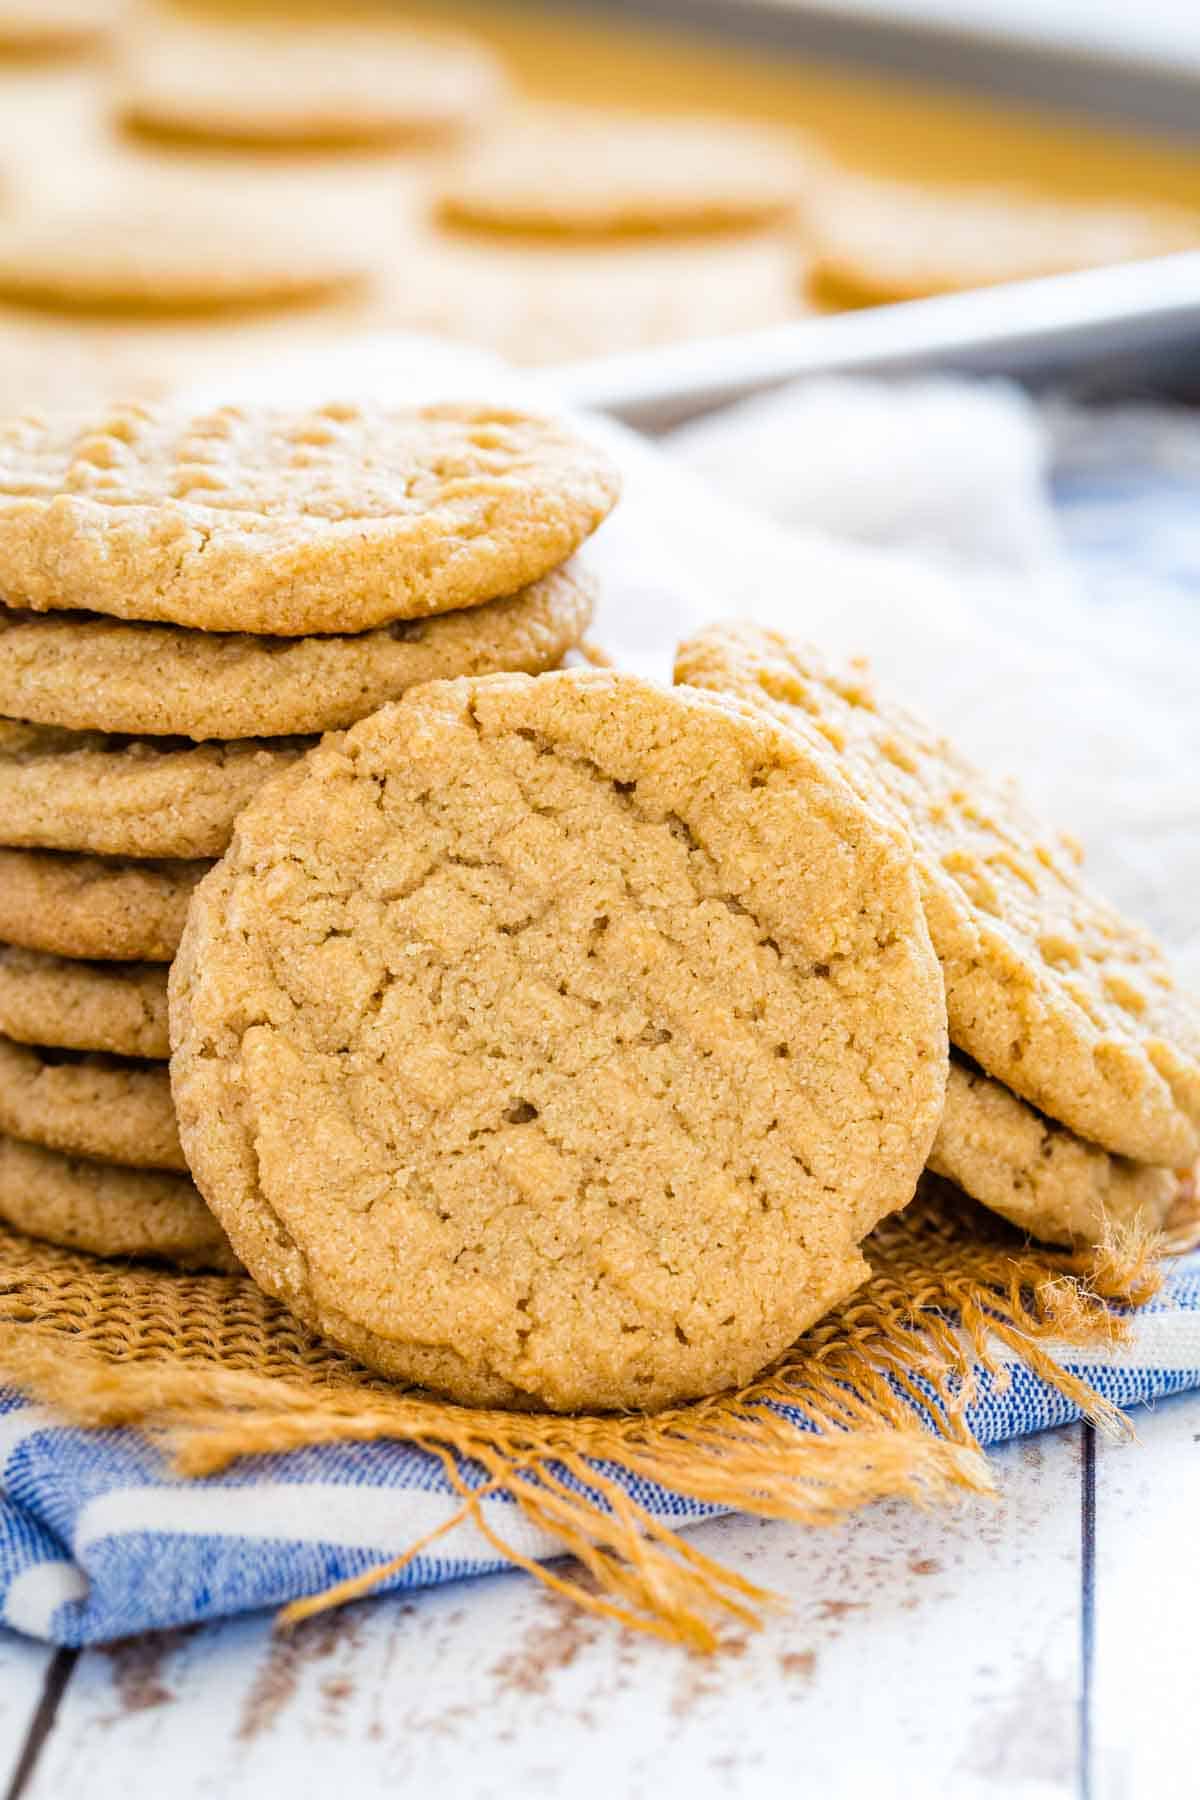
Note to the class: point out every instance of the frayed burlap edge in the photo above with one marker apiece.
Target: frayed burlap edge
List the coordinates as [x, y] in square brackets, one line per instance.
[213, 1370]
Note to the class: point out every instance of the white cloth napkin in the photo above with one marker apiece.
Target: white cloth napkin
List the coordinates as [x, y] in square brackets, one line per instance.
[1029, 576]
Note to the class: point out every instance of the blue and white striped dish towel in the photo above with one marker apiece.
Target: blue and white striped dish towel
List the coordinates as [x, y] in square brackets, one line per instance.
[99, 1541]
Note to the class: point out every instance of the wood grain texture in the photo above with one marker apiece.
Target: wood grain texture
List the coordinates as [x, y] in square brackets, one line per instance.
[942, 1650]
[23, 1668]
[921, 1655]
[1147, 1599]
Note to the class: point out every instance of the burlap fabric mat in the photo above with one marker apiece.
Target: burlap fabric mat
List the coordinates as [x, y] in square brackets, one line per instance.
[869, 1404]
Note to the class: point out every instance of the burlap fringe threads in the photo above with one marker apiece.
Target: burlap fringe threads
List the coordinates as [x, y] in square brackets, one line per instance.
[213, 1370]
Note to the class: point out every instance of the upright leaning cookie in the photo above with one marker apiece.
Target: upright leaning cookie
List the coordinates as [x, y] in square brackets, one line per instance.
[1035, 1172]
[1048, 988]
[558, 1041]
[264, 520]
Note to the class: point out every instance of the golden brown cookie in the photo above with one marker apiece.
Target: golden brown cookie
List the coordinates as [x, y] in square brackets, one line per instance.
[1048, 988]
[118, 1007]
[87, 672]
[570, 172]
[290, 522]
[107, 1210]
[128, 797]
[195, 258]
[545, 301]
[106, 1107]
[556, 1041]
[872, 243]
[89, 906]
[292, 85]
[1036, 1172]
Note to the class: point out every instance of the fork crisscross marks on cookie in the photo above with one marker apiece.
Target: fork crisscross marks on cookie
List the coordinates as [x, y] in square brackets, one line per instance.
[290, 522]
[1048, 988]
[556, 1077]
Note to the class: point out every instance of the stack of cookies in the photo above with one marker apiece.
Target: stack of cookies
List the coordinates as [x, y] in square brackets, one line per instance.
[541, 1036]
[187, 604]
[1073, 1099]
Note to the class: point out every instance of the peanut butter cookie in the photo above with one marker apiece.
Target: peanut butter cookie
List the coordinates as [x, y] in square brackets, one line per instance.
[104, 1107]
[133, 797]
[556, 1041]
[200, 258]
[108, 1210]
[252, 519]
[88, 672]
[306, 85]
[569, 172]
[55, 27]
[89, 906]
[1036, 1172]
[873, 243]
[1048, 988]
[119, 1007]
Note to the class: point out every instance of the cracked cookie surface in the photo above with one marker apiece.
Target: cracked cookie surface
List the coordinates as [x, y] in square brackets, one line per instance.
[113, 795]
[262, 520]
[103, 1107]
[107, 1210]
[557, 1041]
[90, 906]
[1048, 987]
[86, 673]
[70, 1005]
[1038, 1174]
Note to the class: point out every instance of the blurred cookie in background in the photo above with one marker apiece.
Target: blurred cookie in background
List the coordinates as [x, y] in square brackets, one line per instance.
[551, 303]
[56, 27]
[574, 172]
[296, 84]
[190, 255]
[873, 243]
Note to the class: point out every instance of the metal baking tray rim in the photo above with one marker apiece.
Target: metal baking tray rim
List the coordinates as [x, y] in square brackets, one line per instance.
[1038, 330]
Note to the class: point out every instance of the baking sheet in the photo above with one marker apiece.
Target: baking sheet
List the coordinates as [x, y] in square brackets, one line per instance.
[1119, 330]
[1125, 329]
[1119, 74]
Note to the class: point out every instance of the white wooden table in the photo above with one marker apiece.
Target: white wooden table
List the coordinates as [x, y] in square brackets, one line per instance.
[1044, 1646]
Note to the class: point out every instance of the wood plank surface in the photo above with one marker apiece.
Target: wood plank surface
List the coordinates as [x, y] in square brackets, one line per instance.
[939, 1651]
[1147, 1608]
[23, 1670]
